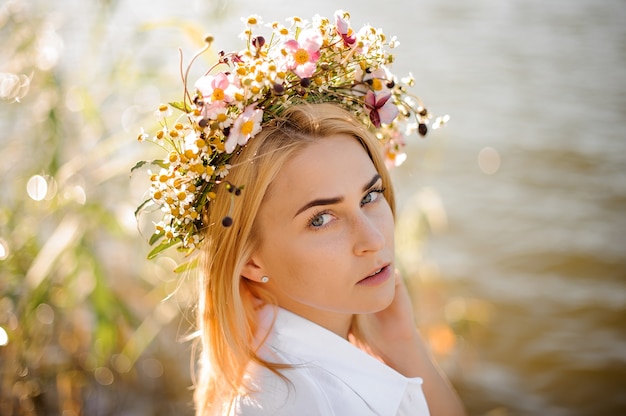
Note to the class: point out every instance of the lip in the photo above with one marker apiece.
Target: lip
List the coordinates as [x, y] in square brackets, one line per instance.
[382, 276]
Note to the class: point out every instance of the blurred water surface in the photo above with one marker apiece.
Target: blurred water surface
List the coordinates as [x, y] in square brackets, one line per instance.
[531, 172]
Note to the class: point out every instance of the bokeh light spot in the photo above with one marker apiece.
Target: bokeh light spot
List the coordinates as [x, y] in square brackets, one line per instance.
[442, 339]
[152, 367]
[37, 187]
[121, 363]
[49, 46]
[45, 314]
[4, 249]
[13, 86]
[104, 376]
[75, 193]
[489, 160]
[4, 337]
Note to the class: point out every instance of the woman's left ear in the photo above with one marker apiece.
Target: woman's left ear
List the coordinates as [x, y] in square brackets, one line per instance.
[253, 271]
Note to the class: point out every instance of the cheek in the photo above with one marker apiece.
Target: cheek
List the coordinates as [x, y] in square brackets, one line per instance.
[305, 259]
[313, 253]
[390, 227]
[385, 221]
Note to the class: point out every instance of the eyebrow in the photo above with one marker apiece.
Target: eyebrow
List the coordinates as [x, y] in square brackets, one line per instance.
[336, 200]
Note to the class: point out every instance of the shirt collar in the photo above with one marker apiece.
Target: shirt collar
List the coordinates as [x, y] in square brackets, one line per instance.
[381, 387]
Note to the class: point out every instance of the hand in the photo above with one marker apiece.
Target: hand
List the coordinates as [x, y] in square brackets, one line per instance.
[392, 336]
[391, 332]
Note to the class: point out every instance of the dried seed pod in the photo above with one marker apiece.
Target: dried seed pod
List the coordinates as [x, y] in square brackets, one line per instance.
[258, 42]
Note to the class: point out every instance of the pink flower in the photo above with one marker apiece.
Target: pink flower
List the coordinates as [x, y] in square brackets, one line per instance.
[378, 79]
[394, 155]
[343, 28]
[380, 109]
[220, 87]
[246, 126]
[303, 55]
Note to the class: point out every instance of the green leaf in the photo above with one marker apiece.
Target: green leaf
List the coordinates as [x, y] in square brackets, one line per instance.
[190, 265]
[157, 162]
[155, 237]
[142, 206]
[161, 163]
[161, 247]
[180, 106]
[138, 165]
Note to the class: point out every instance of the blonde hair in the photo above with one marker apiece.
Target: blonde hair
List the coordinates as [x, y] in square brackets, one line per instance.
[227, 302]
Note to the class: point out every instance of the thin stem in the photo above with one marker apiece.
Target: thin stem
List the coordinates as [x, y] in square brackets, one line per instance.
[185, 76]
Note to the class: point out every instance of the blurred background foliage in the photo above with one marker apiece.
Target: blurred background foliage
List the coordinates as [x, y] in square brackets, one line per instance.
[80, 308]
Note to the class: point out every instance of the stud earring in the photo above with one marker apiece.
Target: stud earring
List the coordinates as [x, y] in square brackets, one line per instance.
[265, 279]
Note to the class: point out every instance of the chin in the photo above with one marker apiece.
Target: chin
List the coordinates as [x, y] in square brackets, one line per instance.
[381, 302]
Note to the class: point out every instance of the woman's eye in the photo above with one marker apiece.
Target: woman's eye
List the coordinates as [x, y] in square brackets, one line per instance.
[371, 196]
[320, 220]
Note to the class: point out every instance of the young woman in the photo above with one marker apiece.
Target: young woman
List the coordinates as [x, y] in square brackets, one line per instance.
[305, 276]
[285, 192]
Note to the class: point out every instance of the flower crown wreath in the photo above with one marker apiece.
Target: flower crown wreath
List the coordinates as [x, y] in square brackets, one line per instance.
[321, 61]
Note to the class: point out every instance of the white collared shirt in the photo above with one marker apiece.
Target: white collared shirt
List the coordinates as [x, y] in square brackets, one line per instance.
[329, 376]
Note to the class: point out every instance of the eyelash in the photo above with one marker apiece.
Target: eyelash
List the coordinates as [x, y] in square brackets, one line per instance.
[379, 190]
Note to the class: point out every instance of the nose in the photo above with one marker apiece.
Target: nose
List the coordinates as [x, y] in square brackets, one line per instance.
[368, 235]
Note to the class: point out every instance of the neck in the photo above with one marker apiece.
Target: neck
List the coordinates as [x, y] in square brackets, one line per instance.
[337, 322]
